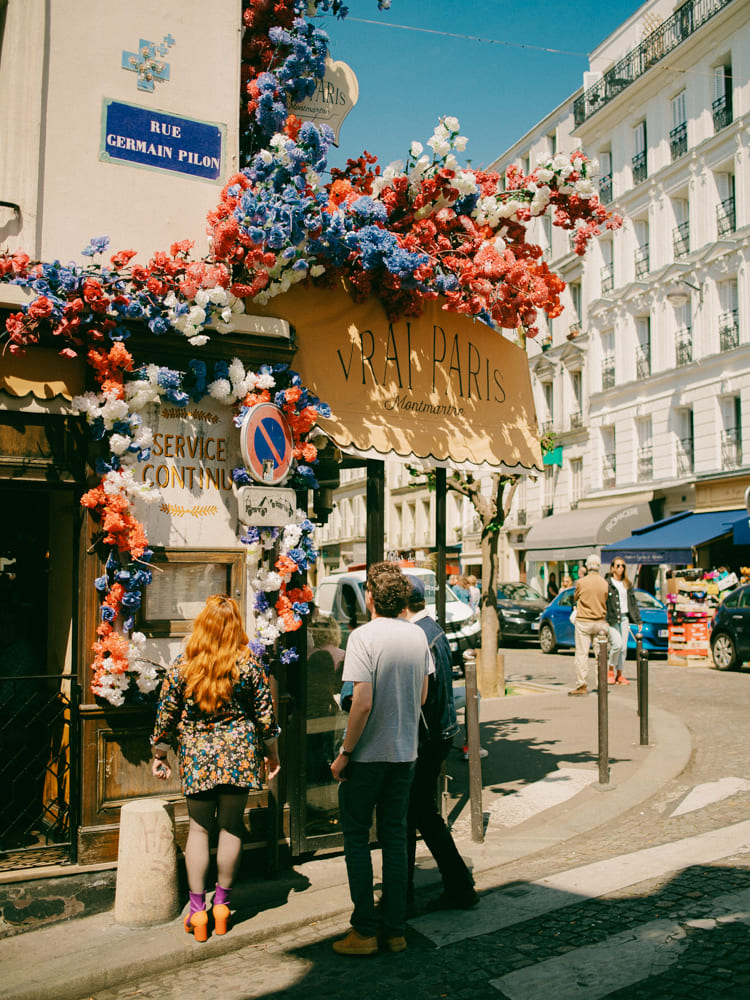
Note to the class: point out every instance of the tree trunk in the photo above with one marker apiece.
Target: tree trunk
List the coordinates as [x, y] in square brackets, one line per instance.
[491, 672]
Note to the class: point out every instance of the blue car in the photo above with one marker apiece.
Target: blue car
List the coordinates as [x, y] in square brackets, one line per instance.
[556, 631]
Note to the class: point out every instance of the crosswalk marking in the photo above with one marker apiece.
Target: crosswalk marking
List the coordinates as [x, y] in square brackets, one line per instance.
[595, 971]
[712, 791]
[512, 905]
[554, 788]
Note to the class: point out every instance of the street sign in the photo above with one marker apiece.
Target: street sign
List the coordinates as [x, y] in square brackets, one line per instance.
[266, 507]
[266, 444]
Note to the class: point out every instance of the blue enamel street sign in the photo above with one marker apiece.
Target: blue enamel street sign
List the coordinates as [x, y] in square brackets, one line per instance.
[161, 141]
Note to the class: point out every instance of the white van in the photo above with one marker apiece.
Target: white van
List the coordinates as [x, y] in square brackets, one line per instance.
[342, 596]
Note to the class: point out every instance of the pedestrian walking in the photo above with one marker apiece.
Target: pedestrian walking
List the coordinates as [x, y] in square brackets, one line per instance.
[591, 620]
[388, 661]
[437, 730]
[622, 610]
[216, 706]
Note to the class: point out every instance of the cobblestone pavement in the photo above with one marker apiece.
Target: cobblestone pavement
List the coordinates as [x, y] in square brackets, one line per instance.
[687, 933]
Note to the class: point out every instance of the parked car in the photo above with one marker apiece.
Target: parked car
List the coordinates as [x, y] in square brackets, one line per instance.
[556, 631]
[730, 630]
[342, 595]
[518, 609]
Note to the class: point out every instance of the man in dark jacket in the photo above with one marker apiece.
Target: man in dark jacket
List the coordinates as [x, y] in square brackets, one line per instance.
[437, 731]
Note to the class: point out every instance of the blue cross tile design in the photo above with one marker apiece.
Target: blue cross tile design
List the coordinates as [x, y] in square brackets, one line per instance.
[148, 62]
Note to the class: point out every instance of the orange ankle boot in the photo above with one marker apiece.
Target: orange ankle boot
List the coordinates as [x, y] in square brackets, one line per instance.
[221, 918]
[197, 924]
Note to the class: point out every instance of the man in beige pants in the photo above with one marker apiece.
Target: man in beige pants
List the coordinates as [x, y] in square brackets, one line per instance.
[591, 619]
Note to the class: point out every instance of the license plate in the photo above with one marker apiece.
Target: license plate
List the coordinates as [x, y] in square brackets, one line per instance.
[535, 626]
[663, 633]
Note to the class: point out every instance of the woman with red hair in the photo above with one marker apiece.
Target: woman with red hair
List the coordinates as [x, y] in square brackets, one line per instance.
[215, 704]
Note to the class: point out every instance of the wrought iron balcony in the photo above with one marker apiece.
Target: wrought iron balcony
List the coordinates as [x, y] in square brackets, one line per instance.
[608, 278]
[722, 112]
[645, 463]
[605, 189]
[681, 239]
[685, 459]
[683, 347]
[681, 25]
[576, 420]
[640, 167]
[678, 142]
[642, 261]
[521, 517]
[729, 331]
[726, 219]
[548, 426]
[731, 448]
[643, 361]
[608, 372]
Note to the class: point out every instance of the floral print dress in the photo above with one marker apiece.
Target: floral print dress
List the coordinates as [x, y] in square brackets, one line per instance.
[225, 747]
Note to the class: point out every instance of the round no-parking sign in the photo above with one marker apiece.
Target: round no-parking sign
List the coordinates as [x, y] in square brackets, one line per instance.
[266, 443]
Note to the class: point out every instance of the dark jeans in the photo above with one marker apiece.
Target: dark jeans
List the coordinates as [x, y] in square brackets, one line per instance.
[384, 789]
[424, 815]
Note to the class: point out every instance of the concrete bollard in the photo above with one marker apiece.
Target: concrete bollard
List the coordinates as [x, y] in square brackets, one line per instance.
[146, 887]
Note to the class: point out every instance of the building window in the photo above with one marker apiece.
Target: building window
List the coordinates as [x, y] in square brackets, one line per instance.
[645, 451]
[576, 481]
[681, 232]
[608, 360]
[683, 338]
[605, 177]
[686, 444]
[726, 218]
[731, 435]
[729, 329]
[641, 259]
[678, 139]
[643, 348]
[639, 161]
[576, 415]
[548, 391]
[722, 103]
[549, 490]
[608, 268]
[609, 461]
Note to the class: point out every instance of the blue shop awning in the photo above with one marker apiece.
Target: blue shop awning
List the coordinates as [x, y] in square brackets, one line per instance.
[674, 540]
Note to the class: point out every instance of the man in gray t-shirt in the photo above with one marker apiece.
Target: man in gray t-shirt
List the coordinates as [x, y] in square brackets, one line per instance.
[388, 661]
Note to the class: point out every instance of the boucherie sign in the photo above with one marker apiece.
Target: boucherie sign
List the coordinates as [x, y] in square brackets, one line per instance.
[440, 387]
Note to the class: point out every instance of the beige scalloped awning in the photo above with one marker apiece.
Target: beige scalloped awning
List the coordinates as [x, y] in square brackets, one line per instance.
[41, 372]
[441, 388]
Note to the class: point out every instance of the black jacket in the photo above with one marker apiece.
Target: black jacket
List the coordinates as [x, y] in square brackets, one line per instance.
[614, 612]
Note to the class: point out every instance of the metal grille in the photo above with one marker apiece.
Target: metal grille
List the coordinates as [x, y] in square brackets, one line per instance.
[681, 239]
[678, 141]
[39, 801]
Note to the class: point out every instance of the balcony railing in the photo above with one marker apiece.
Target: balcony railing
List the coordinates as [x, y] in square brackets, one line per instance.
[659, 43]
[548, 426]
[731, 448]
[640, 167]
[645, 463]
[576, 420]
[722, 112]
[608, 372]
[521, 517]
[685, 453]
[643, 361]
[726, 219]
[729, 331]
[683, 347]
[681, 239]
[548, 510]
[609, 471]
[642, 263]
[605, 189]
[608, 278]
[678, 141]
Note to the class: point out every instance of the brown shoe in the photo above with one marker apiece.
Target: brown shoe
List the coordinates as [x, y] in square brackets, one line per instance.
[583, 689]
[394, 944]
[356, 944]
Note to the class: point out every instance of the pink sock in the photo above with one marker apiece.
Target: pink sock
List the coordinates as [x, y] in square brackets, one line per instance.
[197, 902]
[221, 895]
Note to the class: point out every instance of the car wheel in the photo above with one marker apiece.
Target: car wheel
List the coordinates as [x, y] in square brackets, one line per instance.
[547, 640]
[724, 652]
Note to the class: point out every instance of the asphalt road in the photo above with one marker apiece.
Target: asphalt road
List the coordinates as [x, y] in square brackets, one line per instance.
[613, 912]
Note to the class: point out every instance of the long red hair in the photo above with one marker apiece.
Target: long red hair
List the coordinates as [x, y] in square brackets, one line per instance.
[216, 644]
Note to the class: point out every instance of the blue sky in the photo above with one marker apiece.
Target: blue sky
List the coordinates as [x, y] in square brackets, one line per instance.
[408, 79]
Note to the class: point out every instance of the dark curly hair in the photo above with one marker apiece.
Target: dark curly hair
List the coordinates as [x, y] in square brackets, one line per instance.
[389, 588]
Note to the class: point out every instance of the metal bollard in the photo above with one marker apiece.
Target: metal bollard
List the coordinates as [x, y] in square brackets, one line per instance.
[475, 764]
[603, 706]
[642, 689]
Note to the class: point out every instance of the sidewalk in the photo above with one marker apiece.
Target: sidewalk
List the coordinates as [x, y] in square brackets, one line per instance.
[540, 787]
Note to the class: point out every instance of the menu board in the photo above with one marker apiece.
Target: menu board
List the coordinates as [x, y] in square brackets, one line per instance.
[178, 591]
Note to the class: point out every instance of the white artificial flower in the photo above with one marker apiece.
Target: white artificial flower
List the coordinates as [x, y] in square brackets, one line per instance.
[218, 296]
[266, 381]
[201, 298]
[440, 147]
[460, 142]
[544, 175]
[198, 341]
[592, 167]
[451, 124]
[221, 390]
[119, 443]
[291, 537]
[316, 270]
[585, 188]
[416, 149]
[197, 316]
[143, 437]
[236, 371]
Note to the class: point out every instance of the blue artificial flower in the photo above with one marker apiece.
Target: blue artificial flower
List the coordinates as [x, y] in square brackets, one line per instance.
[241, 476]
[102, 584]
[107, 614]
[131, 599]
[289, 655]
[261, 602]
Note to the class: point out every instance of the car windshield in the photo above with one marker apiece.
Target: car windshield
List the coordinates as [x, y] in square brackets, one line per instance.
[517, 592]
[645, 600]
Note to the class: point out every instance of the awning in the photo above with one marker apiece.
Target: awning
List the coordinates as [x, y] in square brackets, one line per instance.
[578, 533]
[441, 388]
[42, 372]
[674, 540]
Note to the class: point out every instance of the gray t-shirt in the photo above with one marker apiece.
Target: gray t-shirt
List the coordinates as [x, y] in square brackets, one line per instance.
[392, 654]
